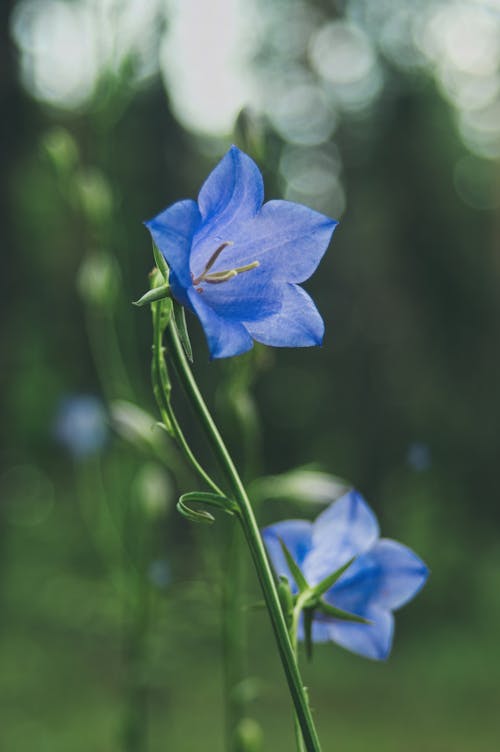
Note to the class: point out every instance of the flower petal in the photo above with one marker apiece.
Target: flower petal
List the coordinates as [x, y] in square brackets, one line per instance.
[234, 189]
[246, 297]
[225, 337]
[288, 240]
[345, 529]
[296, 324]
[388, 575]
[290, 237]
[372, 640]
[297, 537]
[173, 231]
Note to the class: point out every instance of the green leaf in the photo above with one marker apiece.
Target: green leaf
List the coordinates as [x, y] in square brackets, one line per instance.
[180, 322]
[194, 516]
[204, 497]
[338, 613]
[329, 581]
[160, 262]
[156, 293]
[294, 568]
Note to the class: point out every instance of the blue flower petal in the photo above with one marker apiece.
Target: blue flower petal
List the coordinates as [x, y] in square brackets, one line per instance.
[388, 575]
[289, 238]
[225, 337]
[296, 324]
[345, 529]
[246, 297]
[372, 640]
[297, 537]
[233, 190]
[173, 231]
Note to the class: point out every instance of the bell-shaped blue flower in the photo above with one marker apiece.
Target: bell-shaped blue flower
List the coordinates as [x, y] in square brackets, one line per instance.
[237, 263]
[383, 577]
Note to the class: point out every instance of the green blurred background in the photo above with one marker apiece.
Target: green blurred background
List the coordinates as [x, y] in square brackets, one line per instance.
[385, 115]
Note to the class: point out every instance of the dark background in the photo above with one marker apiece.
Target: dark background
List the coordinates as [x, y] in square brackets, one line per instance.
[380, 114]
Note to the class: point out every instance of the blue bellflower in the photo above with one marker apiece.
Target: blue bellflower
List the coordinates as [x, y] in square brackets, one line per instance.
[237, 263]
[383, 577]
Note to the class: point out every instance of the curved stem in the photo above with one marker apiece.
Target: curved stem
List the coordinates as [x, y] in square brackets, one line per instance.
[161, 389]
[254, 541]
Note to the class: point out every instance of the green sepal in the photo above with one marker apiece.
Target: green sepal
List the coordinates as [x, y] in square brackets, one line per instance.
[166, 311]
[286, 599]
[329, 581]
[294, 568]
[156, 293]
[160, 262]
[308, 621]
[204, 497]
[338, 613]
[180, 322]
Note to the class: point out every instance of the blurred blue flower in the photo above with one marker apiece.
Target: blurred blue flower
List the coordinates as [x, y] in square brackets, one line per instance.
[81, 425]
[383, 577]
[419, 456]
[237, 263]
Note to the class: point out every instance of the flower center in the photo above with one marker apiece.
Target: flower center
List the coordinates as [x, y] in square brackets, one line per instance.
[215, 278]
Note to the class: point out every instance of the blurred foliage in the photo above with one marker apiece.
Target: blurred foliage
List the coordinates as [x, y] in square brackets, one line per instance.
[409, 294]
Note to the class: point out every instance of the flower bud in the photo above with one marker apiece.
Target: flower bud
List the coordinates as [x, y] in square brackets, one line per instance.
[153, 489]
[60, 148]
[248, 736]
[99, 279]
[94, 193]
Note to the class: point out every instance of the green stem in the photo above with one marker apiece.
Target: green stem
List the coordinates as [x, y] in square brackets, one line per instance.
[254, 541]
[161, 388]
[293, 632]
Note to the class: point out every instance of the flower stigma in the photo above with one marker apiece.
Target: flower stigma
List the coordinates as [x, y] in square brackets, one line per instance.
[216, 278]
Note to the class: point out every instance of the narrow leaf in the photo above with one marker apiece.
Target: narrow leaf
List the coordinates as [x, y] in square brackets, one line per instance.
[160, 262]
[209, 499]
[294, 568]
[180, 322]
[194, 516]
[156, 293]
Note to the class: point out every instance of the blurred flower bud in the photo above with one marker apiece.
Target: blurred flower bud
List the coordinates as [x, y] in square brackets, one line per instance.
[301, 485]
[136, 426]
[153, 489]
[99, 279]
[94, 193]
[81, 425]
[248, 736]
[249, 133]
[60, 148]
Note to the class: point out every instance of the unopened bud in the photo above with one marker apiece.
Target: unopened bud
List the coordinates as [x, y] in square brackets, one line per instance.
[94, 193]
[60, 148]
[153, 489]
[248, 736]
[99, 279]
